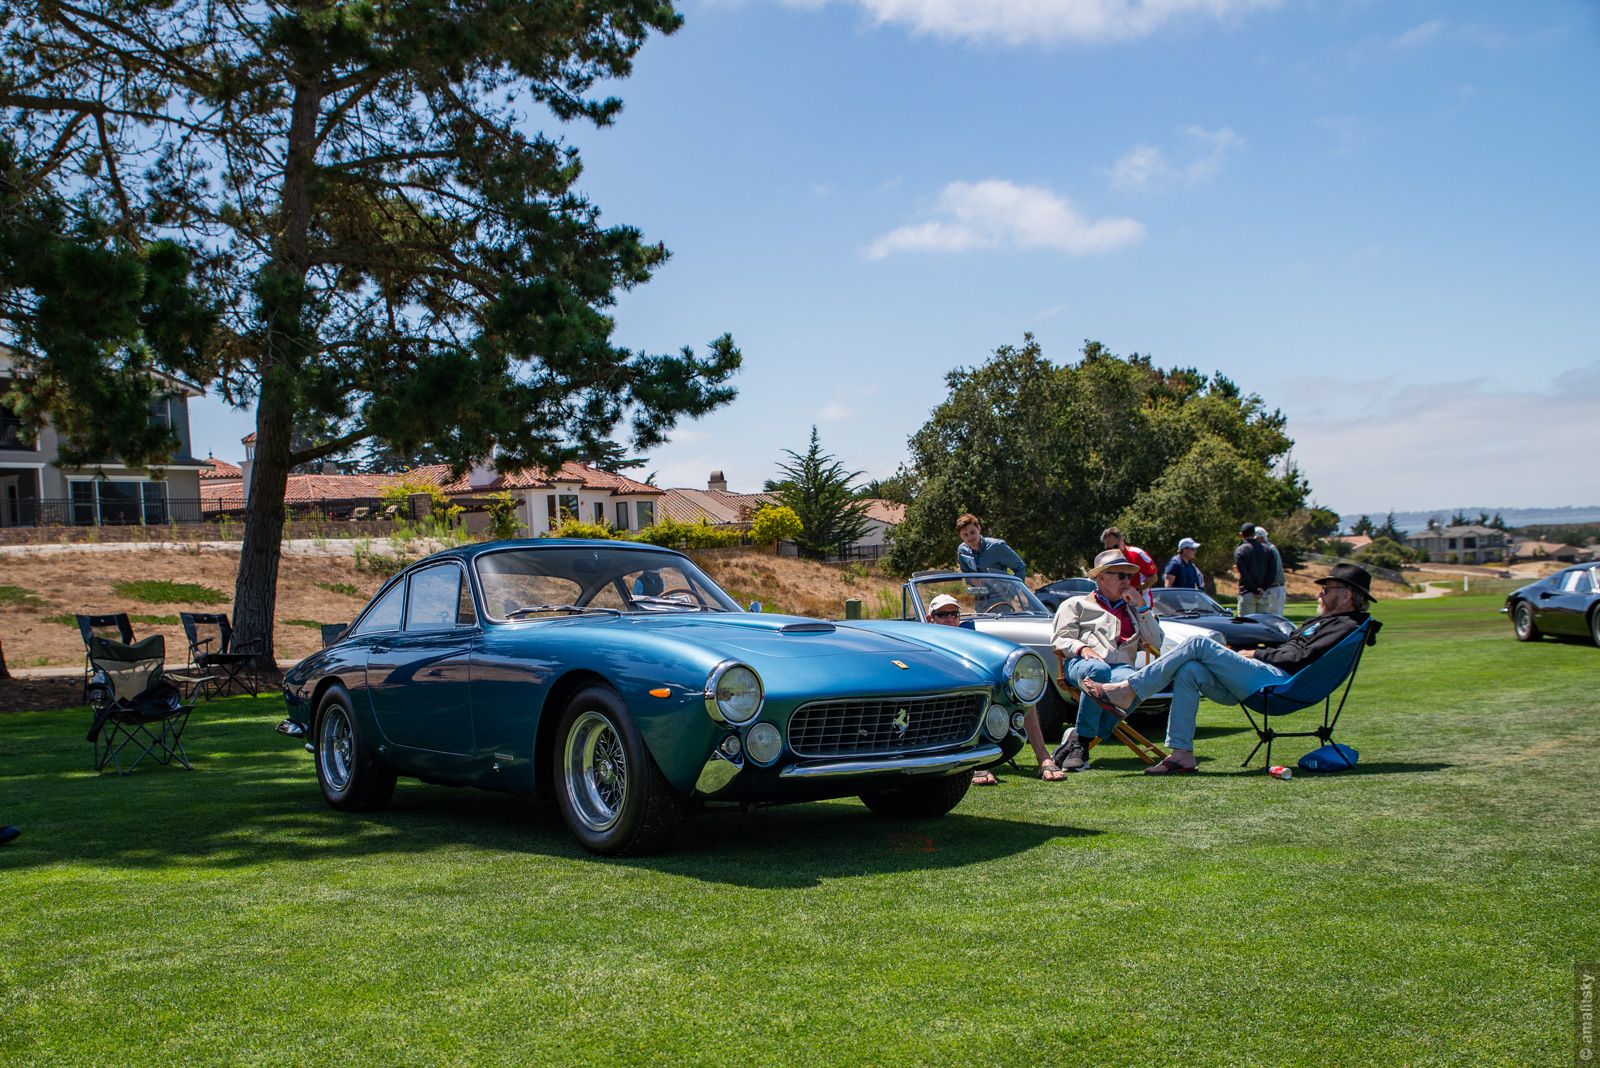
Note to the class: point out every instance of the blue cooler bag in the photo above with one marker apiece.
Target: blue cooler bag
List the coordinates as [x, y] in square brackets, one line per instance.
[1331, 757]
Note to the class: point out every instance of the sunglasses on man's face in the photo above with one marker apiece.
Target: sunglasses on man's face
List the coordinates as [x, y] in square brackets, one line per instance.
[947, 613]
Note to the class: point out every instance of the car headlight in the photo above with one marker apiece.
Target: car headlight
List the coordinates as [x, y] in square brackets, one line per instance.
[733, 693]
[996, 721]
[763, 743]
[1025, 676]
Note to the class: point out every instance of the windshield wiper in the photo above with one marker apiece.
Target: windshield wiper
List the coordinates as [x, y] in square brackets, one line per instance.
[672, 602]
[570, 609]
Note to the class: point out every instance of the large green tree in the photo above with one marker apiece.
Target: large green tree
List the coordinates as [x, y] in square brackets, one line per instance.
[818, 489]
[389, 250]
[1047, 455]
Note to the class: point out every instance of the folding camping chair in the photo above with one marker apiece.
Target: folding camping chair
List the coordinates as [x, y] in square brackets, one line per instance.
[104, 626]
[134, 704]
[1142, 747]
[1315, 682]
[213, 651]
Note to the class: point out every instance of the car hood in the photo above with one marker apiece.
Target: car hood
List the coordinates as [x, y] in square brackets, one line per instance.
[1234, 629]
[796, 654]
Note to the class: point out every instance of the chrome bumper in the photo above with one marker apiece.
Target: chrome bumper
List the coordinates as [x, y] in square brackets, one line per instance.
[929, 764]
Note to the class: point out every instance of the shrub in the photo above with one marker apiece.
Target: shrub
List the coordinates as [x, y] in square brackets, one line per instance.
[503, 522]
[1385, 552]
[577, 528]
[700, 535]
[774, 523]
[439, 506]
[339, 587]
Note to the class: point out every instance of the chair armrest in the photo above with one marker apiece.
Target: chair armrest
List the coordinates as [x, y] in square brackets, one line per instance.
[245, 647]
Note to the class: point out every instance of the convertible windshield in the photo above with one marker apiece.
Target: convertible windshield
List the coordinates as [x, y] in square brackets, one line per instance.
[1176, 602]
[565, 580]
[983, 595]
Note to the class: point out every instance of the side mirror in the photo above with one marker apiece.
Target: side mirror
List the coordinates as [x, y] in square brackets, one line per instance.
[332, 632]
[755, 606]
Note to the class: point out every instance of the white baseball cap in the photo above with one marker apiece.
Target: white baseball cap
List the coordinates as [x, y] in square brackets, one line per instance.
[1188, 543]
[944, 600]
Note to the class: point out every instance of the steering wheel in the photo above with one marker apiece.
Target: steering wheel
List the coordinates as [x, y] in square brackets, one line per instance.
[1003, 608]
[677, 590]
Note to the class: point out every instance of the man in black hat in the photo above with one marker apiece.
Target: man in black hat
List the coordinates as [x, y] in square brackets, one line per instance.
[1202, 668]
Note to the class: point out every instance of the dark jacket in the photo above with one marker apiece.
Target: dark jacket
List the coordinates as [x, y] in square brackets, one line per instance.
[1315, 637]
[1254, 565]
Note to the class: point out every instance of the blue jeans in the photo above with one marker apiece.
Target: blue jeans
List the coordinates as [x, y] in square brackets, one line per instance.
[1200, 668]
[1094, 721]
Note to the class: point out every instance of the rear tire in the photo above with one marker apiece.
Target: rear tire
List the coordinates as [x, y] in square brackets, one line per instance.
[613, 797]
[922, 800]
[1594, 625]
[350, 775]
[1522, 622]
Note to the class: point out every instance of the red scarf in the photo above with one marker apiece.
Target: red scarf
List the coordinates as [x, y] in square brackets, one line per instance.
[1120, 610]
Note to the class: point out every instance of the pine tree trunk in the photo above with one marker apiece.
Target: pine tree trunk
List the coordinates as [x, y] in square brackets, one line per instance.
[283, 300]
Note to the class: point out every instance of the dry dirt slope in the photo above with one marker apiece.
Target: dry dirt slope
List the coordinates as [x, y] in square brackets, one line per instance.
[62, 584]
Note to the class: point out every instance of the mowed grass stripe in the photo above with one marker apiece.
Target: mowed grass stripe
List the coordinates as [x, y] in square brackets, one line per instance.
[1425, 909]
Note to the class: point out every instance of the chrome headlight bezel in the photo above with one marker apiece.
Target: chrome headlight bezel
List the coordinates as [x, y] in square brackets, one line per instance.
[715, 707]
[755, 744]
[996, 721]
[1021, 690]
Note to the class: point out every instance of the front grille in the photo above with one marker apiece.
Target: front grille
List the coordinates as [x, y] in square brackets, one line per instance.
[868, 726]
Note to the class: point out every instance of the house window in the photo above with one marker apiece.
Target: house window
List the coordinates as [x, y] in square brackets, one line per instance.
[1469, 543]
[600, 512]
[622, 516]
[647, 513]
[1450, 543]
[120, 502]
[567, 504]
[550, 502]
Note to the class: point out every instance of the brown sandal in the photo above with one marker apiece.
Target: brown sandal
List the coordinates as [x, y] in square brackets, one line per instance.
[1170, 766]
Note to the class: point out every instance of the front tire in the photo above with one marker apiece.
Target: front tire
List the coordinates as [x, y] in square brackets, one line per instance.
[1594, 626]
[614, 799]
[1522, 621]
[920, 801]
[351, 778]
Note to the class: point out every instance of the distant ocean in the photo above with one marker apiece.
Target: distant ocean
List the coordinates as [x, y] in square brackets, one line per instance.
[1514, 517]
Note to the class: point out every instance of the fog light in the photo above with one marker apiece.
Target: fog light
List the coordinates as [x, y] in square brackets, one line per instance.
[763, 743]
[1017, 720]
[996, 722]
[730, 747]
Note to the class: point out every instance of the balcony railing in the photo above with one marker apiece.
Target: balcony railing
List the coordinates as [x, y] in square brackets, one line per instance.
[62, 512]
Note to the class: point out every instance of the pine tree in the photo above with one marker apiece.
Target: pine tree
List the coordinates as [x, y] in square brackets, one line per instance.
[821, 492]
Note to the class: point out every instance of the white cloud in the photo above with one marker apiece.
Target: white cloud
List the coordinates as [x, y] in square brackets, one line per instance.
[1417, 35]
[841, 407]
[1386, 443]
[995, 213]
[834, 412]
[1146, 167]
[1018, 22]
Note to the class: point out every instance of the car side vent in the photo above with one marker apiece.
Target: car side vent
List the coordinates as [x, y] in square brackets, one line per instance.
[807, 628]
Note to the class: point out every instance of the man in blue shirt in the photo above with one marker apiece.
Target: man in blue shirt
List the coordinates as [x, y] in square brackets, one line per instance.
[1181, 572]
[977, 553]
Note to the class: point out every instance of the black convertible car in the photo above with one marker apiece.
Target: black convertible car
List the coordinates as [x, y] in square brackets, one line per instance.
[1259, 631]
[1061, 589]
[1565, 603]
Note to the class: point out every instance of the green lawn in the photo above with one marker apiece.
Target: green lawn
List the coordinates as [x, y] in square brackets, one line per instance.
[1426, 909]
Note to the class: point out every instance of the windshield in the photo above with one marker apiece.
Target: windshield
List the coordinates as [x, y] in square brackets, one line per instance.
[982, 595]
[1178, 602]
[538, 582]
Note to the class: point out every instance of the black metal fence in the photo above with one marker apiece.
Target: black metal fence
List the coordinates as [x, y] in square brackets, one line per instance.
[64, 512]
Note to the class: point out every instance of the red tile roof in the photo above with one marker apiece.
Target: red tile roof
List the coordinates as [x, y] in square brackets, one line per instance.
[717, 507]
[587, 477]
[215, 468]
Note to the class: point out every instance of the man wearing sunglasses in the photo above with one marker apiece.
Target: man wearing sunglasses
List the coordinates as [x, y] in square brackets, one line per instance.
[1202, 668]
[1098, 636]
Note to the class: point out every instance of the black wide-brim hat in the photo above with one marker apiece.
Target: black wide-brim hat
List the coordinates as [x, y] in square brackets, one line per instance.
[1352, 576]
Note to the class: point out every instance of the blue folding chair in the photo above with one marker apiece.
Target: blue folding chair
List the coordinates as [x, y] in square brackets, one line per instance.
[1315, 682]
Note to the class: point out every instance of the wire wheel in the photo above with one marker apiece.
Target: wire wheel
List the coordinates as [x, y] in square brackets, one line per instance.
[596, 765]
[1522, 620]
[336, 747]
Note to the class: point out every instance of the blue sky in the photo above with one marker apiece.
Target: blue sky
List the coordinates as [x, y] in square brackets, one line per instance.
[1378, 216]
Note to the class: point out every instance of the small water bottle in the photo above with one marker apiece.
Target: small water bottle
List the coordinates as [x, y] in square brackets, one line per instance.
[1278, 771]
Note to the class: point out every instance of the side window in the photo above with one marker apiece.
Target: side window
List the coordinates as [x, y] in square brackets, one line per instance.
[385, 614]
[466, 615]
[1577, 582]
[435, 598]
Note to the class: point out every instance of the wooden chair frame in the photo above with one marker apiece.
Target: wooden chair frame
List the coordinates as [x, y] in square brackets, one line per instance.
[1142, 747]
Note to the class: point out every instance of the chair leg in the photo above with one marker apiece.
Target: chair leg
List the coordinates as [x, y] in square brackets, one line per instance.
[1142, 747]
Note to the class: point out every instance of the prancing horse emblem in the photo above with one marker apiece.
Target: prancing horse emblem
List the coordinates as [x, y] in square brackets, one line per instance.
[902, 720]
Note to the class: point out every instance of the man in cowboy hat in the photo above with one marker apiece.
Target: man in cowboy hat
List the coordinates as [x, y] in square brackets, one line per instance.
[1201, 667]
[1098, 636]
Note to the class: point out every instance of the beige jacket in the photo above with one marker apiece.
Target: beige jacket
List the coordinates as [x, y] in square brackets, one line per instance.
[1082, 623]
